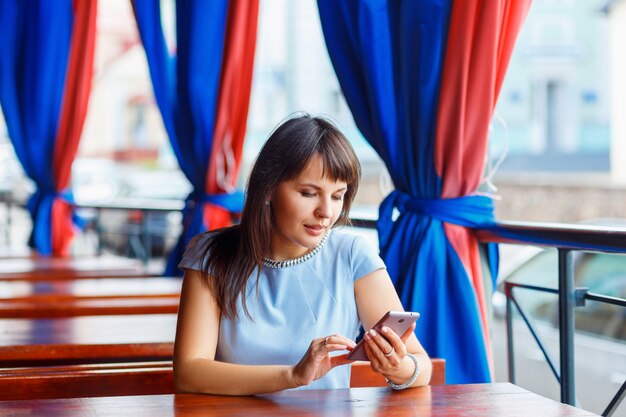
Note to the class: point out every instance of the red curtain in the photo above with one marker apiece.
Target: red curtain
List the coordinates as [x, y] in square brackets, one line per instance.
[73, 112]
[477, 55]
[233, 103]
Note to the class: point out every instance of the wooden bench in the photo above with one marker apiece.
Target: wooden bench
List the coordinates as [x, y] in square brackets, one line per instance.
[27, 299]
[54, 306]
[87, 321]
[89, 339]
[47, 269]
[96, 380]
[93, 287]
[101, 380]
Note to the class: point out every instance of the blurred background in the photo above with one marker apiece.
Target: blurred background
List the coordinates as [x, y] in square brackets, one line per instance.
[557, 148]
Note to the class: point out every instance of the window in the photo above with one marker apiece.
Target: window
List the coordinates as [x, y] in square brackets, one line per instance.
[555, 99]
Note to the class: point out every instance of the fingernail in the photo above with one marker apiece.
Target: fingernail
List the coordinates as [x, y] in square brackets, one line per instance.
[373, 332]
[385, 329]
[367, 336]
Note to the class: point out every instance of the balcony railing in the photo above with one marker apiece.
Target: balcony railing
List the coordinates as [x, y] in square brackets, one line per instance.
[567, 239]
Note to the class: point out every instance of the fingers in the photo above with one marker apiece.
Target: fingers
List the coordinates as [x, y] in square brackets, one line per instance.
[386, 344]
[317, 361]
[334, 343]
[386, 350]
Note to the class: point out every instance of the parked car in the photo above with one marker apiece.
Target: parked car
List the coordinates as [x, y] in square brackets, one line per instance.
[600, 336]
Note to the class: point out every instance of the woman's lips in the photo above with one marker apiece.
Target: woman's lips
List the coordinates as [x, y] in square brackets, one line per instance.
[315, 230]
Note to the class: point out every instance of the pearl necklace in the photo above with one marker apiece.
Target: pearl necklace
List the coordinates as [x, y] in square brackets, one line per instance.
[295, 261]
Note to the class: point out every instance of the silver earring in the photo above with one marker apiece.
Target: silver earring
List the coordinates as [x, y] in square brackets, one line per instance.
[267, 202]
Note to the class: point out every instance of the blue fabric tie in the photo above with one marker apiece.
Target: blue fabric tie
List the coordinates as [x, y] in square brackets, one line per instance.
[467, 211]
[193, 219]
[232, 202]
[193, 222]
[39, 206]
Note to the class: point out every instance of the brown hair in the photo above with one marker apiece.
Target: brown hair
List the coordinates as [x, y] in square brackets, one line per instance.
[233, 253]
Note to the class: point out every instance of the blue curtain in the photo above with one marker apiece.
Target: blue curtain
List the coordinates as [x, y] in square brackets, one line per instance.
[186, 87]
[388, 56]
[34, 47]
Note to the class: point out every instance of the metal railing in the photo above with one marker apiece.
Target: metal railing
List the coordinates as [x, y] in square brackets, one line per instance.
[141, 235]
[567, 239]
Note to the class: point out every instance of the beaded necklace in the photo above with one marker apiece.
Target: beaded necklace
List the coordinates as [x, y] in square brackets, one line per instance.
[295, 261]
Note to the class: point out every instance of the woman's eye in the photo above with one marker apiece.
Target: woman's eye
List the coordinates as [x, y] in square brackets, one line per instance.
[338, 197]
[307, 194]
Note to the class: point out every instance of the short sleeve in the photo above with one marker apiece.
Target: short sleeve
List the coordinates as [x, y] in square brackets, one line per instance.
[193, 254]
[364, 258]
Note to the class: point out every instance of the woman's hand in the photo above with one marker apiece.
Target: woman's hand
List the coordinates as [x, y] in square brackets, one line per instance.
[386, 352]
[317, 362]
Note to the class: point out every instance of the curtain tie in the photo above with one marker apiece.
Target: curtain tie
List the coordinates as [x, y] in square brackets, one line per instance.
[40, 196]
[232, 202]
[467, 211]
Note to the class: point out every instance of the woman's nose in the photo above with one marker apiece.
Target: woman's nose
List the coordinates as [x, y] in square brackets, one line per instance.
[324, 209]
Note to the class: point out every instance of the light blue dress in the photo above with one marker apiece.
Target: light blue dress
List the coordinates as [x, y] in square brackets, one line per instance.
[297, 304]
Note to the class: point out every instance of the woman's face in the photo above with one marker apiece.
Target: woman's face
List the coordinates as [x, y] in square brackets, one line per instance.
[304, 209]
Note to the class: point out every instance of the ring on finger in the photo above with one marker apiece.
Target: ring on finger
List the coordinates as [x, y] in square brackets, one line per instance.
[391, 352]
[326, 340]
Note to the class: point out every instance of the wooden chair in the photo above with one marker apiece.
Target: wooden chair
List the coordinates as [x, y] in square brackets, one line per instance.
[362, 375]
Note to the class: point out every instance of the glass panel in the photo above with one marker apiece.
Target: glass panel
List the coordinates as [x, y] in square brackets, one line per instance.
[603, 274]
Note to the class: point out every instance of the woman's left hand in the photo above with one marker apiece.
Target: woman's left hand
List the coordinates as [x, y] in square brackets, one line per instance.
[317, 360]
[386, 351]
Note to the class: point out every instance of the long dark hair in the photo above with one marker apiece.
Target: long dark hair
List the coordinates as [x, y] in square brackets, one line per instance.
[233, 253]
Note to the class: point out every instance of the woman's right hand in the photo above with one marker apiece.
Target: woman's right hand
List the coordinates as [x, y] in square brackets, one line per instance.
[317, 362]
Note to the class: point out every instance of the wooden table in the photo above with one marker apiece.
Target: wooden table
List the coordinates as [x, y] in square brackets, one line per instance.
[484, 400]
[46, 269]
[89, 297]
[92, 287]
[99, 339]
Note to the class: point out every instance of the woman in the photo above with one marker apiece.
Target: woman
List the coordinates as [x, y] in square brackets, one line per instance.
[271, 303]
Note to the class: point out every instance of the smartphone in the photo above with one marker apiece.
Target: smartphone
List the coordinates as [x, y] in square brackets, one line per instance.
[398, 321]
